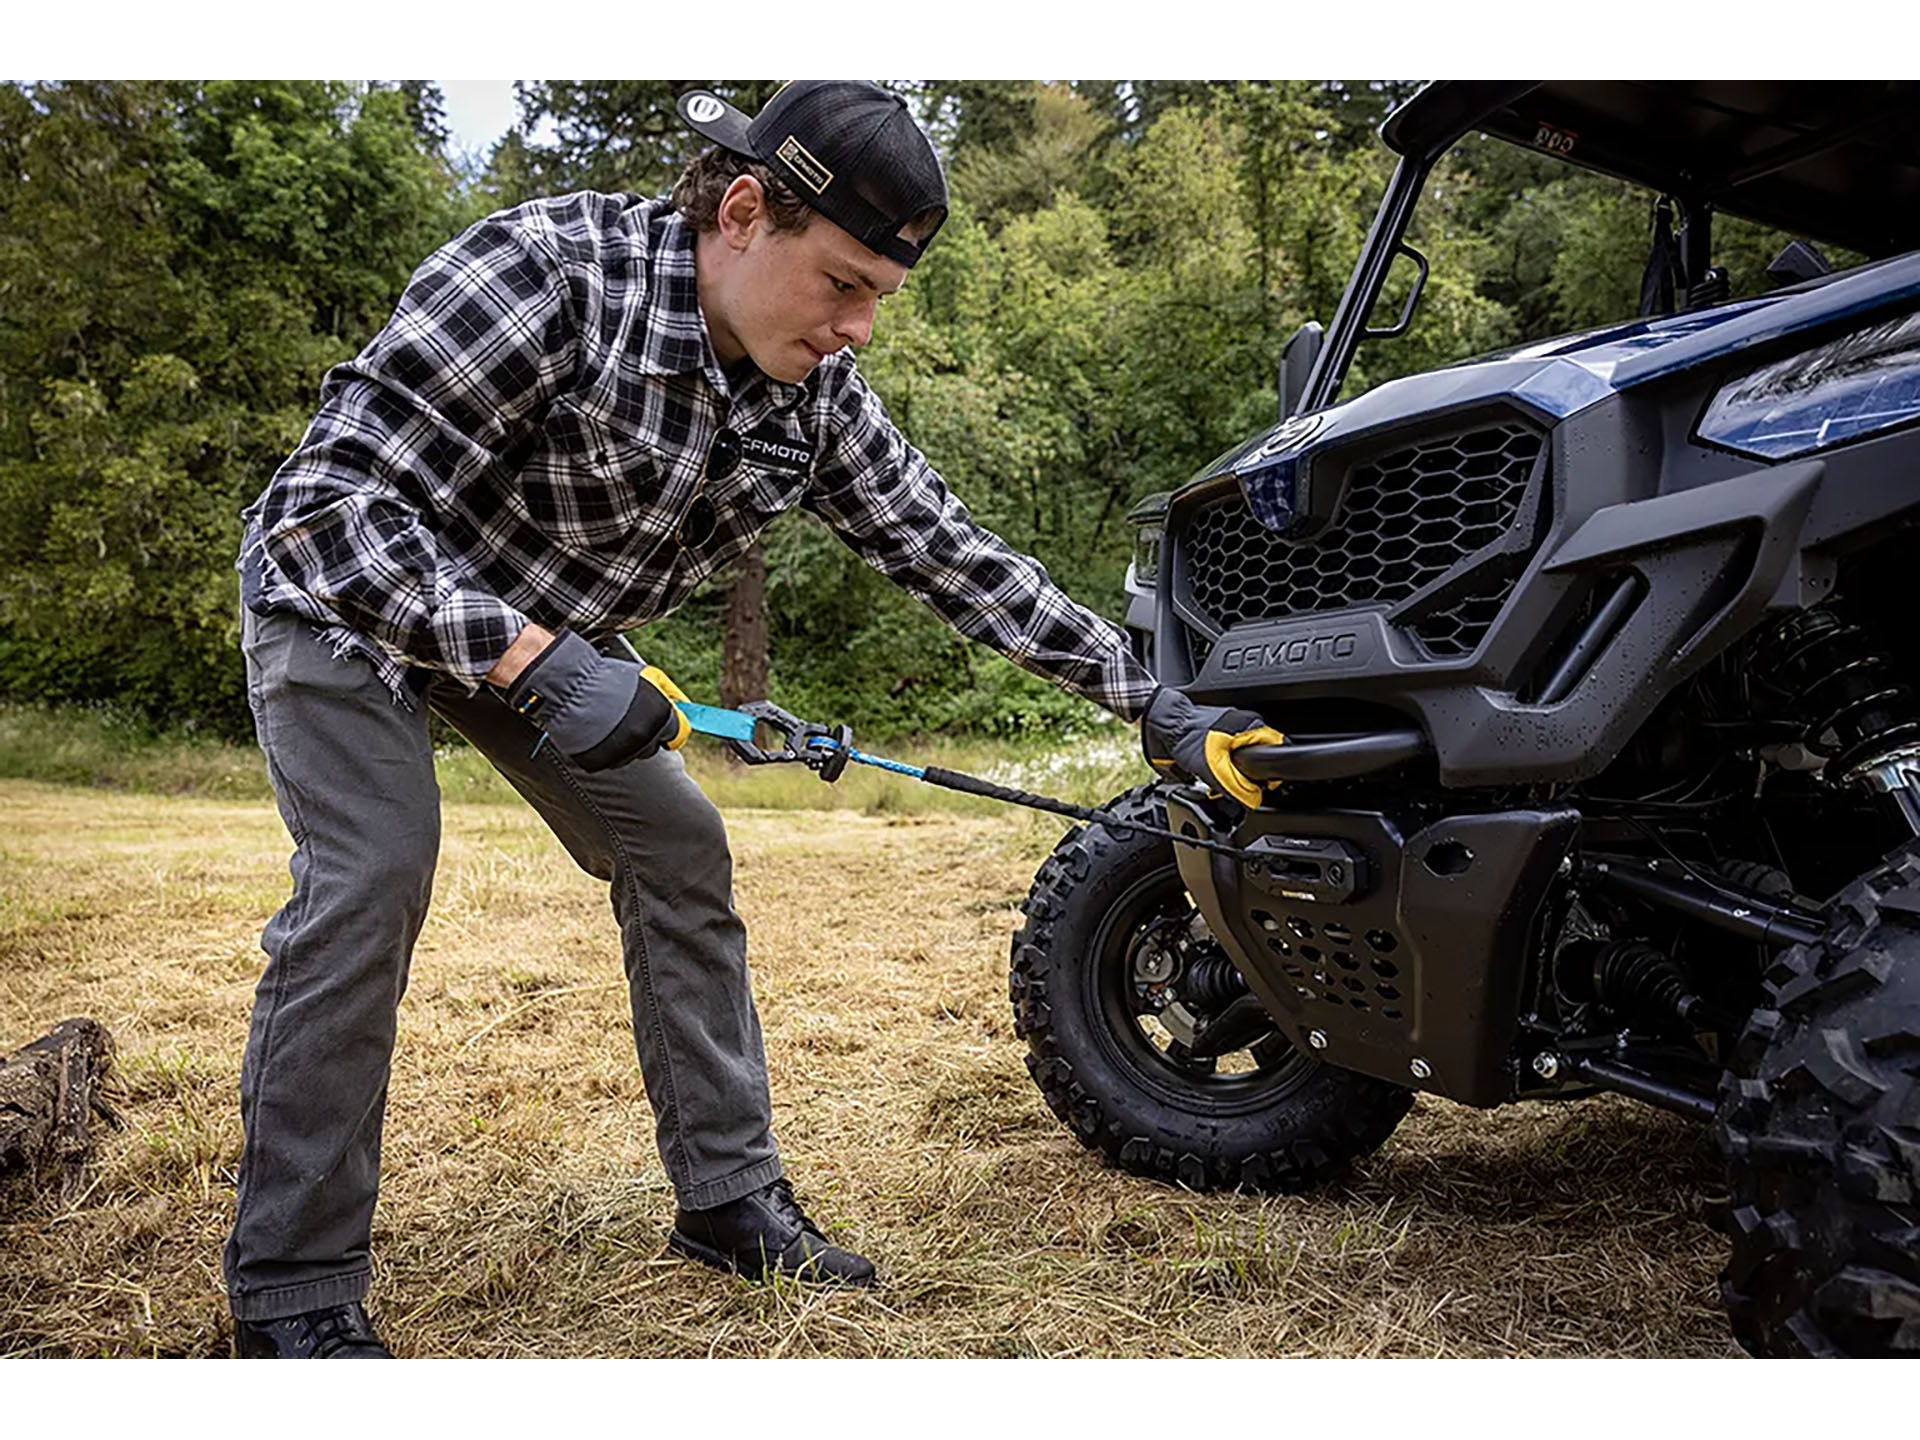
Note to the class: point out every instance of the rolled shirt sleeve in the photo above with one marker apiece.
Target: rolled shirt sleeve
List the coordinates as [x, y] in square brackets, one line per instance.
[883, 498]
[482, 338]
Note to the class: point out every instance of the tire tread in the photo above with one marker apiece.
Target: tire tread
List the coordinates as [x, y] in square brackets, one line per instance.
[1361, 1125]
[1819, 1122]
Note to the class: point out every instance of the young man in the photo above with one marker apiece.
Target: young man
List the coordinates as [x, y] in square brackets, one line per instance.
[580, 409]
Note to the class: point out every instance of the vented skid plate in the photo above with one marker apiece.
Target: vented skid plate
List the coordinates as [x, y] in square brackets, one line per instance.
[1422, 963]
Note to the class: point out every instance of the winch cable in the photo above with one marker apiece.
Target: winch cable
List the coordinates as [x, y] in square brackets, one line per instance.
[974, 785]
[828, 751]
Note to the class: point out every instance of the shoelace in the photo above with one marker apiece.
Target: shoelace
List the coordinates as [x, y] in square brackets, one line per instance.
[336, 1330]
[782, 1200]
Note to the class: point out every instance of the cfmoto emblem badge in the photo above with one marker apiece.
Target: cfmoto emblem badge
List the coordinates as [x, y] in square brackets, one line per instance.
[1291, 434]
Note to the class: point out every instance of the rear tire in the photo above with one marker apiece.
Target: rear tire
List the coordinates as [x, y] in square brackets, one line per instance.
[1284, 1121]
[1820, 1125]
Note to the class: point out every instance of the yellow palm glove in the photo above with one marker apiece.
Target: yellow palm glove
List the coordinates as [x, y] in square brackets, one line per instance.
[660, 681]
[1198, 742]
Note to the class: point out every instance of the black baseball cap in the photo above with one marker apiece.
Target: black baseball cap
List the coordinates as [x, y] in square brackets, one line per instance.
[848, 148]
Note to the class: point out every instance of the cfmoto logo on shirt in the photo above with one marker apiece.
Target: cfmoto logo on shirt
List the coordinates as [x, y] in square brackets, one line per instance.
[777, 454]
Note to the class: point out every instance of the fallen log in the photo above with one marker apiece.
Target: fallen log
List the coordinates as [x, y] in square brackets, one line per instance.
[49, 1090]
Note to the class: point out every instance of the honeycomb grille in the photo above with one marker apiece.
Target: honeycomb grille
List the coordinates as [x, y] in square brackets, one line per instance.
[1406, 519]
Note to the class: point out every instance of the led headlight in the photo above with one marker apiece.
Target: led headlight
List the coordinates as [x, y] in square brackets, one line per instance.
[1146, 556]
[1149, 520]
[1856, 386]
[1271, 474]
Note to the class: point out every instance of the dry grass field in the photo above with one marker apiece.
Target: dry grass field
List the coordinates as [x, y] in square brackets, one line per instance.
[524, 1211]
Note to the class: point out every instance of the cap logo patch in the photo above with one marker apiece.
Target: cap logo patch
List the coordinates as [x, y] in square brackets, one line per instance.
[705, 109]
[800, 160]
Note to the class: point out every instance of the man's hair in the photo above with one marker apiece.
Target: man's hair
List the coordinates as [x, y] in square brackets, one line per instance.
[704, 183]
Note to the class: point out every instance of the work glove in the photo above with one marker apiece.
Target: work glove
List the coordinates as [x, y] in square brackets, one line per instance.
[600, 711]
[1196, 742]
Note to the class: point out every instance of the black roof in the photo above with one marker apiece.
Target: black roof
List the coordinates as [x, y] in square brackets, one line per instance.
[1832, 160]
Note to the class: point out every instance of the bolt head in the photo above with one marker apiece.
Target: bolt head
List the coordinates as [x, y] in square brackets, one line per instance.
[1421, 1070]
[1546, 1065]
[1317, 1039]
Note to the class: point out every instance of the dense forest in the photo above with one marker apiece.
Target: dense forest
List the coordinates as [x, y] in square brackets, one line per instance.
[181, 261]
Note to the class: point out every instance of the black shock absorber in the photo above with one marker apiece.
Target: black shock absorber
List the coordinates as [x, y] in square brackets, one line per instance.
[1852, 706]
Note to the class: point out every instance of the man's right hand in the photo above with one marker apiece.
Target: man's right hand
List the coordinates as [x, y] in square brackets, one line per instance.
[1198, 741]
[600, 711]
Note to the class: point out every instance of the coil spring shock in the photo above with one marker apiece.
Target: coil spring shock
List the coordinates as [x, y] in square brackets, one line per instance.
[1862, 713]
[1864, 717]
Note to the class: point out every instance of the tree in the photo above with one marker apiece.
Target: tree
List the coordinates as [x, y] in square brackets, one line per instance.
[427, 109]
[617, 135]
[181, 262]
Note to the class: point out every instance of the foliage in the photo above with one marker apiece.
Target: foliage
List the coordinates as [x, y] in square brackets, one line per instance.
[180, 262]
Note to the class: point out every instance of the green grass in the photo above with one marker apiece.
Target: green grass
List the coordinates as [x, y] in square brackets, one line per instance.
[102, 749]
[84, 745]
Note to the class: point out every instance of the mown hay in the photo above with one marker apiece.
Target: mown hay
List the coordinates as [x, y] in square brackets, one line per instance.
[524, 1211]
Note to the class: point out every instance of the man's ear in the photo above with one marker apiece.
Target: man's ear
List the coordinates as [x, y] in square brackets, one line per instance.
[741, 209]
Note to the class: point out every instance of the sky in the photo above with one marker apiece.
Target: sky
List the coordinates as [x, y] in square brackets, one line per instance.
[479, 112]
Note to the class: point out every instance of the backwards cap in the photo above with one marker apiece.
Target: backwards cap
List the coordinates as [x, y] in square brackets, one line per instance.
[848, 148]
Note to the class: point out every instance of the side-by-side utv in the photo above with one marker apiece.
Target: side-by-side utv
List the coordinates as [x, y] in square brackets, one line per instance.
[1600, 675]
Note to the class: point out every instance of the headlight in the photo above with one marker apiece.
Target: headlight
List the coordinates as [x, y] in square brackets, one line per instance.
[1146, 556]
[1149, 519]
[1856, 386]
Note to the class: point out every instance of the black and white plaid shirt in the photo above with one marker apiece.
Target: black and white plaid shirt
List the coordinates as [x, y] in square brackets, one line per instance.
[522, 439]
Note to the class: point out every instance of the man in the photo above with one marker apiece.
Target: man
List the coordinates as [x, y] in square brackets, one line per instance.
[580, 409]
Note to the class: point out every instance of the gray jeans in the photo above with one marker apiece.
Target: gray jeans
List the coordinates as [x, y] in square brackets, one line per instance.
[353, 773]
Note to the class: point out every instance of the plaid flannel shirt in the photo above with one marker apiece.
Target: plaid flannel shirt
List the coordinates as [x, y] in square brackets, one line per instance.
[521, 439]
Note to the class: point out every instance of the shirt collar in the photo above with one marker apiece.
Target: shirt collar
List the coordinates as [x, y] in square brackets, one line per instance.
[676, 329]
[676, 332]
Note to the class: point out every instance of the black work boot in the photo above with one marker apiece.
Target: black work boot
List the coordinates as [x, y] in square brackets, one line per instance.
[764, 1232]
[340, 1332]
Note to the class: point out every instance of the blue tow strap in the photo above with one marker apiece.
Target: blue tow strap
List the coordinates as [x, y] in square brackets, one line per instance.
[860, 757]
[712, 720]
[733, 725]
[800, 741]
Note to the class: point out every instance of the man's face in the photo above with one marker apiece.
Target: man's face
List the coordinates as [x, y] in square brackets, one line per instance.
[790, 298]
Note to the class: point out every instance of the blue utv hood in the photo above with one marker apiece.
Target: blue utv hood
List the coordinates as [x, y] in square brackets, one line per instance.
[1561, 376]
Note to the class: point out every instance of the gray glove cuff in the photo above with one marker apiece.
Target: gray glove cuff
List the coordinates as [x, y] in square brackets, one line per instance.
[598, 710]
[1174, 730]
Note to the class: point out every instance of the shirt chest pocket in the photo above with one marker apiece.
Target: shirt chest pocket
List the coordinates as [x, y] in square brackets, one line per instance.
[591, 485]
[777, 459]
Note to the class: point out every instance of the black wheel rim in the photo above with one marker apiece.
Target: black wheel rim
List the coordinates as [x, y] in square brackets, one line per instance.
[1270, 1069]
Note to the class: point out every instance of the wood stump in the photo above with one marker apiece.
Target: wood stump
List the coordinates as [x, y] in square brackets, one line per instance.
[49, 1090]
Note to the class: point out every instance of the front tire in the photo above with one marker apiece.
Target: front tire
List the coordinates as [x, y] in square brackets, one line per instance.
[1820, 1125]
[1266, 1117]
